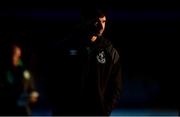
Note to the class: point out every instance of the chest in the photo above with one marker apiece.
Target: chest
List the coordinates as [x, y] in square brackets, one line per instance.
[87, 61]
[79, 56]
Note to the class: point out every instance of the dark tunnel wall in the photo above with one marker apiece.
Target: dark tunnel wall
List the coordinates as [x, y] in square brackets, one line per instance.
[144, 35]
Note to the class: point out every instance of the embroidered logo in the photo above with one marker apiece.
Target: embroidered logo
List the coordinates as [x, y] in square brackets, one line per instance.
[101, 57]
[73, 52]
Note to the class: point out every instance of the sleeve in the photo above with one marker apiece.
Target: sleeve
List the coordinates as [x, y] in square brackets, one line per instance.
[29, 85]
[29, 90]
[114, 88]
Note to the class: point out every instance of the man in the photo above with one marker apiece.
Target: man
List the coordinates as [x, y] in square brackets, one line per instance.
[17, 86]
[87, 76]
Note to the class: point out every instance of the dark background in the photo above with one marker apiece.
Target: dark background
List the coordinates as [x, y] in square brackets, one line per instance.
[144, 32]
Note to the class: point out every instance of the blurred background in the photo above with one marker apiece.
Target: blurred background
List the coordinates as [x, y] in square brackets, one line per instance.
[144, 32]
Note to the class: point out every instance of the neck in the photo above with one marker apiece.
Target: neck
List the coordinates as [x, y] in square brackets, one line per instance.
[93, 38]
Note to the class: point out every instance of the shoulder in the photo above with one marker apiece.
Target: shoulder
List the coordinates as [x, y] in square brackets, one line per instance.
[112, 51]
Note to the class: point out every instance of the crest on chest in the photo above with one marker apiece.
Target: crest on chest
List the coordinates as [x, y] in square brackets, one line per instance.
[101, 57]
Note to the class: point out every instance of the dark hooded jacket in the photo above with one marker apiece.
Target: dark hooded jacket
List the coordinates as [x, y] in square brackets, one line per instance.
[86, 79]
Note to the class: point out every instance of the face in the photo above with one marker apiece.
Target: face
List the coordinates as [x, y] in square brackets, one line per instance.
[16, 55]
[100, 25]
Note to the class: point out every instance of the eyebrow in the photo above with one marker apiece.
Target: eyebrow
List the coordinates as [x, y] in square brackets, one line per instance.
[103, 20]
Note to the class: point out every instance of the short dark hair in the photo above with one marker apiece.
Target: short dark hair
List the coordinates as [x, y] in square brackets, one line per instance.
[92, 13]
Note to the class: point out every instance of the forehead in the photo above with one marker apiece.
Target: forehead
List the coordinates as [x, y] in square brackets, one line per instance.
[16, 48]
[102, 18]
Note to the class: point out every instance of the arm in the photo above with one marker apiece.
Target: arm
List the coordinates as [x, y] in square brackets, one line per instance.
[114, 87]
[30, 87]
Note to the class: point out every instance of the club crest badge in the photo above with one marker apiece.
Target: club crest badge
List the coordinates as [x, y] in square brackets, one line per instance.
[101, 57]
